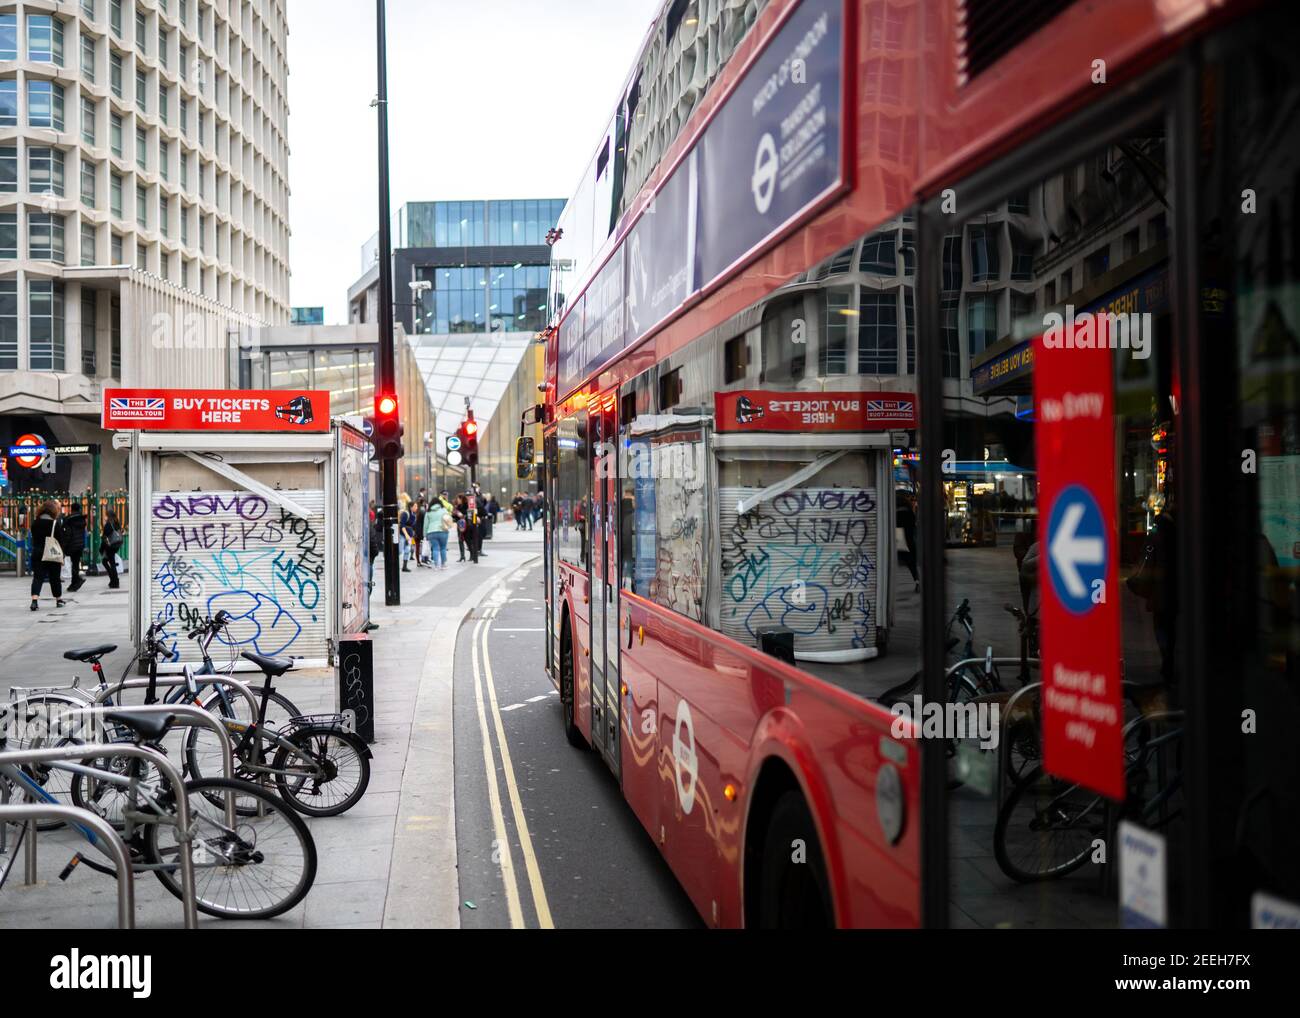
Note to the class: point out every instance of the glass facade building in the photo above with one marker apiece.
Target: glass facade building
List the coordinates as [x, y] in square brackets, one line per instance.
[510, 222]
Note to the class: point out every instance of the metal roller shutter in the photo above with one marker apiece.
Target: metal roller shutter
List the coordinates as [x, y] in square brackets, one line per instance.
[235, 551]
[805, 560]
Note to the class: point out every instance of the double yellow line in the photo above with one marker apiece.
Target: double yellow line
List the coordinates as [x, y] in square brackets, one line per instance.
[483, 681]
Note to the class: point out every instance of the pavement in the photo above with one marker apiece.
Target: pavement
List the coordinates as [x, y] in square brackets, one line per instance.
[391, 860]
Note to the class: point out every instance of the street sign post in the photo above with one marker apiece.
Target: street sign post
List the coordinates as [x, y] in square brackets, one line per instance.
[1082, 703]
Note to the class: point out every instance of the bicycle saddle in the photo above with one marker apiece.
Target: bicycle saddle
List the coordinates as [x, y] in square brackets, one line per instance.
[271, 665]
[150, 726]
[90, 653]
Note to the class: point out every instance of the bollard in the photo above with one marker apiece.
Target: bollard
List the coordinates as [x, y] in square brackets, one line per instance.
[356, 682]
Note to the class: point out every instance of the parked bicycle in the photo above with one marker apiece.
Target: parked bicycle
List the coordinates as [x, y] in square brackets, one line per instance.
[258, 868]
[317, 765]
[1049, 827]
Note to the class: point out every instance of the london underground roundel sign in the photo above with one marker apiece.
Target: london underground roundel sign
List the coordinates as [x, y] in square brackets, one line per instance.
[32, 459]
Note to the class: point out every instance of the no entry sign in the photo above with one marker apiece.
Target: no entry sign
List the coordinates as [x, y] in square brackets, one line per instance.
[1082, 706]
[216, 410]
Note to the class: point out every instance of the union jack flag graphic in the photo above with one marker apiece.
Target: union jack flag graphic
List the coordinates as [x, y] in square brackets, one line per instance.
[140, 408]
[890, 407]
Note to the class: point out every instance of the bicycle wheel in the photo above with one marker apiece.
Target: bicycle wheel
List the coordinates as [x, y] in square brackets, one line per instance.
[104, 797]
[327, 775]
[260, 869]
[43, 721]
[202, 748]
[1046, 828]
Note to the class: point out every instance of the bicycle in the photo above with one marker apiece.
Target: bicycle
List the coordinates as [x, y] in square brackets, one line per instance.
[46, 707]
[319, 767]
[257, 869]
[1048, 826]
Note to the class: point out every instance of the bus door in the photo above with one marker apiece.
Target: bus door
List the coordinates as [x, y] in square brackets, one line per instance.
[606, 614]
[604, 579]
[547, 489]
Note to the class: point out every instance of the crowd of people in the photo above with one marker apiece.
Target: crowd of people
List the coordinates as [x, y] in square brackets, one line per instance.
[426, 523]
[56, 538]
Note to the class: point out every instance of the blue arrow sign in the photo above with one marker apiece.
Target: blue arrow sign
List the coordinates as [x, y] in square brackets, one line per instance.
[1076, 548]
[453, 442]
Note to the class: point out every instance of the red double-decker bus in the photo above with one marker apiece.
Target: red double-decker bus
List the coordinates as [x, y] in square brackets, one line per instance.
[805, 409]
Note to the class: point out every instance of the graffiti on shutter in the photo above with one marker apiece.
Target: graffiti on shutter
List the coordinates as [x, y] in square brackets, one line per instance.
[234, 551]
[804, 560]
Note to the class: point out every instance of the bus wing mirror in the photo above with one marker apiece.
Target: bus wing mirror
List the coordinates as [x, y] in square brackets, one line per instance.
[524, 457]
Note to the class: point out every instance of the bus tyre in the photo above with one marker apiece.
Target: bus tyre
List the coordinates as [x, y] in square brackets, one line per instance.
[568, 692]
[794, 893]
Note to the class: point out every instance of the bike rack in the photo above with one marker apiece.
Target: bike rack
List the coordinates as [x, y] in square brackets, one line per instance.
[1003, 751]
[102, 828]
[195, 714]
[242, 688]
[66, 754]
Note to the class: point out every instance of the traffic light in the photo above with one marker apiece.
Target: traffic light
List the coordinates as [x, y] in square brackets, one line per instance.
[470, 448]
[388, 428]
[455, 443]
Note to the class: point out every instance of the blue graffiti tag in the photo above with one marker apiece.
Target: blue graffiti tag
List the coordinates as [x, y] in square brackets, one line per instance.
[269, 627]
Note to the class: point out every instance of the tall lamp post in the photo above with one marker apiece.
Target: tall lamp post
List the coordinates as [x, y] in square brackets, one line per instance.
[387, 374]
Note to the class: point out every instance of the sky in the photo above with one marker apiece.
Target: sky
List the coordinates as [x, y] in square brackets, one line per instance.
[487, 99]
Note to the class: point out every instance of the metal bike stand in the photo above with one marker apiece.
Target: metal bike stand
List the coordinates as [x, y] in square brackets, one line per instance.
[240, 687]
[1002, 745]
[68, 757]
[103, 829]
[182, 711]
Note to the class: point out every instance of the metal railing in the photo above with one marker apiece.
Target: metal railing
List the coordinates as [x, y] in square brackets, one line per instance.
[63, 758]
[110, 842]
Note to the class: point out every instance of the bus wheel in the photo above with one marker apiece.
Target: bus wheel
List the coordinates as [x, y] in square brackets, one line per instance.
[568, 688]
[794, 893]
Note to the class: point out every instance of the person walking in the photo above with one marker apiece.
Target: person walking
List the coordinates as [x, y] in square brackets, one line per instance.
[516, 510]
[421, 558]
[460, 515]
[436, 520]
[905, 509]
[110, 540]
[406, 530]
[74, 545]
[47, 553]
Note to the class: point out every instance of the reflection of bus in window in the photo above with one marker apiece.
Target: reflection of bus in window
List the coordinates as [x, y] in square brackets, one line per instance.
[726, 636]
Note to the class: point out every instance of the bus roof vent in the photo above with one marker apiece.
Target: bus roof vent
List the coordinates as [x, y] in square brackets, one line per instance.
[987, 30]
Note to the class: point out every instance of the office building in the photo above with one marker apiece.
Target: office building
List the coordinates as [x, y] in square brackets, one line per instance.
[470, 282]
[143, 203]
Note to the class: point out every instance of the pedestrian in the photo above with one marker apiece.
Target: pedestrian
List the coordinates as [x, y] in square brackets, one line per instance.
[110, 540]
[421, 558]
[74, 545]
[461, 515]
[47, 553]
[376, 543]
[534, 510]
[474, 528]
[905, 508]
[436, 522]
[406, 529]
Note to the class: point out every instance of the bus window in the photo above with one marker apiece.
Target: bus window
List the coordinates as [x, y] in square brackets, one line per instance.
[571, 484]
[769, 474]
[1249, 326]
[1017, 859]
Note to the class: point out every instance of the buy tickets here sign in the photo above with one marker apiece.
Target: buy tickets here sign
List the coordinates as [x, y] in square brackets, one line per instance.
[216, 410]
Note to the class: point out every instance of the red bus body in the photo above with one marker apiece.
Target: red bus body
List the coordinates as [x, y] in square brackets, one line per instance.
[750, 710]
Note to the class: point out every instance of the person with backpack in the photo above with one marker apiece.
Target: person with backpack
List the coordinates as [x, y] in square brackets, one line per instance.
[110, 540]
[47, 553]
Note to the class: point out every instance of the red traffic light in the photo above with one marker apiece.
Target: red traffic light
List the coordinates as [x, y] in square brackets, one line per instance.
[471, 428]
[386, 405]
